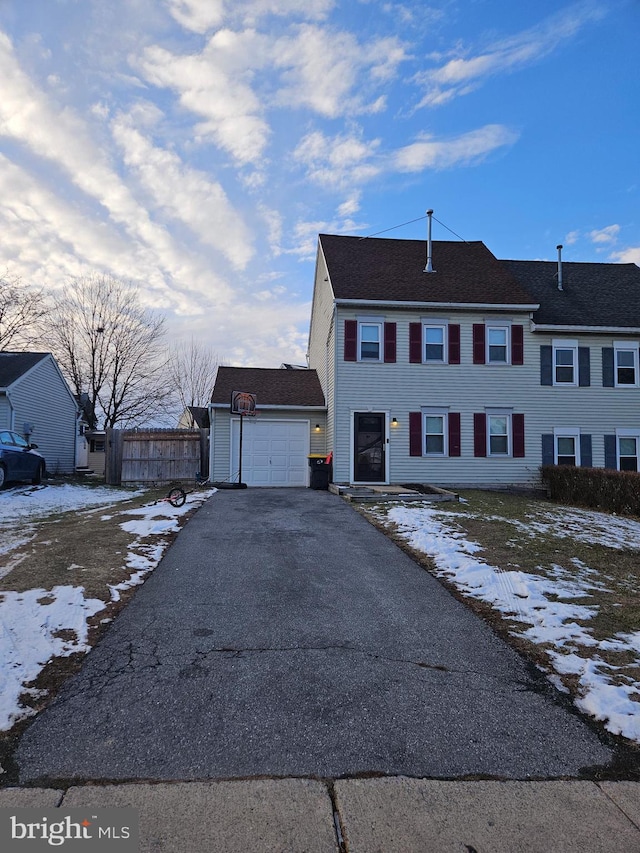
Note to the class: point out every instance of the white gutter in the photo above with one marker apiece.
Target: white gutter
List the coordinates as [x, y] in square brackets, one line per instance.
[594, 330]
[272, 407]
[450, 306]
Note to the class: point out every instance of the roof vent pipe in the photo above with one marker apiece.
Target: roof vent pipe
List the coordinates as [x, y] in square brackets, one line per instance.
[559, 248]
[429, 266]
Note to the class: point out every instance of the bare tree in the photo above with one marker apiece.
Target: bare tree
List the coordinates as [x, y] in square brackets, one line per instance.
[21, 307]
[111, 349]
[191, 372]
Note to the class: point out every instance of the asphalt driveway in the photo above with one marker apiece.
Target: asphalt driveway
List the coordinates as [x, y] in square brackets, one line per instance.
[282, 635]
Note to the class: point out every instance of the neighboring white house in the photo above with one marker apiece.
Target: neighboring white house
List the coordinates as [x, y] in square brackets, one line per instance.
[476, 372]
[37, 403]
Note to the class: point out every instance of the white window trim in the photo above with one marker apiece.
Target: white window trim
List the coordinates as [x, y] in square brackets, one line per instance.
[629, 347]
[566, 432]
[380, 326]
[428, 324]
[506, 328]
[557, 344]
[627, 433]
[500, 413]
[438, 412]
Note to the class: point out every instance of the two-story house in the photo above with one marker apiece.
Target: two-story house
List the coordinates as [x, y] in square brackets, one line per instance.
[441, 364]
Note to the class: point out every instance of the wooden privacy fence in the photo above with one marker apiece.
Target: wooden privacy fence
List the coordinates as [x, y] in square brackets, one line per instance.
[155, 455]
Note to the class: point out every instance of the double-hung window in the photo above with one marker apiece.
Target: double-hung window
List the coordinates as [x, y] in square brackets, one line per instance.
[435, 343]
[626, 365]
[498, 434]
[628, 449]
[498, 344]
[566, 446]
[369, 341]
[435, 433]
[565, 362]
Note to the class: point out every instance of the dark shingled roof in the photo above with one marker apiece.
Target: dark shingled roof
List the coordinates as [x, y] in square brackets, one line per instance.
[14, 364]
[200, 416]
[272, 386]
[592, 294]
[393, 270]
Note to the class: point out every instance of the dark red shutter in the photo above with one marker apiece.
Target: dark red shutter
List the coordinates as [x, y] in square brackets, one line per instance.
[479, 434]
[517, 425]
[415, 433]
[415, 343]
[350, 340]
[454, 343]
[454, 433]
[390, 343]
[517, 345]
[478, 343]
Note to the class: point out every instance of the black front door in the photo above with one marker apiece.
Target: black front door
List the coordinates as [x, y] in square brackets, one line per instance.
[369, 447]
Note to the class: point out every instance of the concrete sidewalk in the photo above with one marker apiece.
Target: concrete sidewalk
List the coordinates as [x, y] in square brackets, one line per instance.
[384, 815]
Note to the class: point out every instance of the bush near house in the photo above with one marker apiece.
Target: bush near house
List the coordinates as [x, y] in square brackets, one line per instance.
[614, 491]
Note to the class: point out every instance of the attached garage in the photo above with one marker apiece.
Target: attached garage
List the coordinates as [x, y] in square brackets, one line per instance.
[274, 453]
[290, 423]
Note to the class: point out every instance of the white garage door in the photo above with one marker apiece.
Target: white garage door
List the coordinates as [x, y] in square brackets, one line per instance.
[274, 453]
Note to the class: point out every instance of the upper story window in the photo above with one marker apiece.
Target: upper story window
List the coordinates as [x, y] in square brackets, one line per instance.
[626, 365]
[435, 343]
[369, 341]
[565, 362]
[498, 344]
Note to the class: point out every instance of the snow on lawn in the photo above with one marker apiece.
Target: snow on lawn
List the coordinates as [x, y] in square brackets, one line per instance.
[543, 604]
[38, 625]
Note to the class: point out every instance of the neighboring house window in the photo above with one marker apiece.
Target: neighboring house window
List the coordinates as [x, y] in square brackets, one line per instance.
[566, 447]
[564, 363]
[434, 343]
[498, 344]
[369, 340]
[498, 433]
[628, 442]
[434, 432]
[626, 365]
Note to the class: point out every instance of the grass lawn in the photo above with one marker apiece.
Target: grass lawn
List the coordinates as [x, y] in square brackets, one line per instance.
[561, 583]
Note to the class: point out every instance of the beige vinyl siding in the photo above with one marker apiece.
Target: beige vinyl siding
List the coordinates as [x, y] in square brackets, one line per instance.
[220, 463]
[42, 398]
[322, 342]
[400, 388]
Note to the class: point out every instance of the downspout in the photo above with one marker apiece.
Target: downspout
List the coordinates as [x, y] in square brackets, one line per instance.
[211, 439]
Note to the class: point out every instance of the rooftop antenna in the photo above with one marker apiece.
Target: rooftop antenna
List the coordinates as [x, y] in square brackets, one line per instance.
[429, 266]
[559, 248]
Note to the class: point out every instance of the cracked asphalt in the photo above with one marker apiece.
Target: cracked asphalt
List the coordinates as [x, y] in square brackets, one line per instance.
[283, 635]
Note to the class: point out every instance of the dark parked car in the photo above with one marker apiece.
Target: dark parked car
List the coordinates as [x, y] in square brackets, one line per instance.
[19, 460]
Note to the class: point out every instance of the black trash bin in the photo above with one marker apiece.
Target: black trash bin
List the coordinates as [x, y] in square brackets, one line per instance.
[319, 478]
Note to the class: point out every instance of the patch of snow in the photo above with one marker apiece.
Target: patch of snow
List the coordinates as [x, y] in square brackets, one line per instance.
[31, 621]
[546, 605]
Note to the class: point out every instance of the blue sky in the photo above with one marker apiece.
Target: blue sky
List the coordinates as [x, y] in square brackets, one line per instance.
[196, 148]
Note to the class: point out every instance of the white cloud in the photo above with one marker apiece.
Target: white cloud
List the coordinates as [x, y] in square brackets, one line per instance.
[188, 195]
[462, 75]
[327, 71]
[571, 238]
[341, 160]
[429, 153]
[197, 15]
[627, 256]
[605, 235]
[216, 85]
